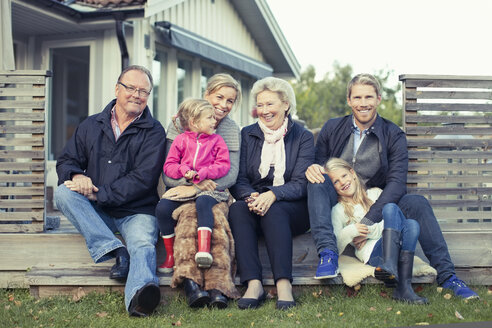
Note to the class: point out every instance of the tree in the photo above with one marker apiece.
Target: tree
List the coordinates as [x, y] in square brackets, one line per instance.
[318, 101]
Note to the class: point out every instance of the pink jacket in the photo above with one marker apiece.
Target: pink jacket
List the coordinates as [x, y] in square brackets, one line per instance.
[206, 154]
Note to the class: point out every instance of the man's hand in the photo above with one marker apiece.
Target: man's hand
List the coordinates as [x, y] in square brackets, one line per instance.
[314, 174]
[83, 185]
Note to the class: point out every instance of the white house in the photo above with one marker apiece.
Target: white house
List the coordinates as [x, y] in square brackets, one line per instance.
[85, 43]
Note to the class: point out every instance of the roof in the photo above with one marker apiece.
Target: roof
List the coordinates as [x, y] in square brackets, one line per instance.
[88, 15]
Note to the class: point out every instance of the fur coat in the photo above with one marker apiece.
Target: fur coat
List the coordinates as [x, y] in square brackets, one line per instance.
[221, 275]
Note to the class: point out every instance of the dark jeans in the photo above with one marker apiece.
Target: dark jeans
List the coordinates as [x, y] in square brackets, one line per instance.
[322, 197]
[394, 219]
[283, 220]
[166, 207]
[417, 207]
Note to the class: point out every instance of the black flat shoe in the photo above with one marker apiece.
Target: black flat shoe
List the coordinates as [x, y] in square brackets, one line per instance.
[285, 305]
[217, 299]
[251, 303]
[120, 270]
[195, 297]
[145, 300]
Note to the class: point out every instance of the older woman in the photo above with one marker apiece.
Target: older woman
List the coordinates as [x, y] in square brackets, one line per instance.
[270, 191]
[223, 92]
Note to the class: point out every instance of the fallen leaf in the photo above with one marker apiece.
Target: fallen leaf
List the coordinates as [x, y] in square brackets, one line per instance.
[315, 295]
[11, 298]
[439, 289]
[7, 307]
[357, 287]
[102, 314]
[489, 292]
[340, 314]
[252, 324]
[477, 310]
[17, 303]
[458, 315]
[290, 314]
[229, 315]
[319, 315]
[389, 309]
[372, 308]
[422, 323]
[298, 322]
[430, 315]
[419, 288]
[447, 296]
[383, 294]
[272, 293]
[177, 323]
[398, 312]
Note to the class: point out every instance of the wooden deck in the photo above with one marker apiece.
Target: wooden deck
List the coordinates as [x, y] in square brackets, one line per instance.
[450, 164]
[59, 263]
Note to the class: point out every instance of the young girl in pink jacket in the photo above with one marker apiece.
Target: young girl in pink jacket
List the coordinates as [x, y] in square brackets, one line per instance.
[196, 154]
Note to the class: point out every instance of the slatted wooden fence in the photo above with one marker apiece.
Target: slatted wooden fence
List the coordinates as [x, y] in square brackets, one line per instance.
[447, 120]
[22, 150]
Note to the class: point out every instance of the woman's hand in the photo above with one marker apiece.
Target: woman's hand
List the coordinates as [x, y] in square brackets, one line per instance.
[206, 185]
[180, 192]
[359, 241]
[261, 202]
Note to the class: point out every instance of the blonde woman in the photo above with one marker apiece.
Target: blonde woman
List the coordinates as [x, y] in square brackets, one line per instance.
[388, 245]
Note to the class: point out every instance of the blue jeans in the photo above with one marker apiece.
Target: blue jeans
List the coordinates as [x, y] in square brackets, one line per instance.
[431, 239]
[321, 198]
[139, 232]
[394, 219]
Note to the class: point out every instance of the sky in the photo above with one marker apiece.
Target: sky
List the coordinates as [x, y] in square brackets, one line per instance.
[444, 37]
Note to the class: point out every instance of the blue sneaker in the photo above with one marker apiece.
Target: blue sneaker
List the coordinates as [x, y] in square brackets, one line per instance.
[328, 265]
[459, 288]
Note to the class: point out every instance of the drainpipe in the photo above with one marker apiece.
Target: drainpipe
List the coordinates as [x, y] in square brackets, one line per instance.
[120, 34]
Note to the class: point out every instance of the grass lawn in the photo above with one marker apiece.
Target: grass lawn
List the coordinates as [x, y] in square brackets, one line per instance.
[333, 306]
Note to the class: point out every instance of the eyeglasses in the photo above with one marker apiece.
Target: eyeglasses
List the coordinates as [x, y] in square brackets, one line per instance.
[131, 90]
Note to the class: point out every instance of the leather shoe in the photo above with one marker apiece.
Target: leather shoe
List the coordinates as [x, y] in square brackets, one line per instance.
[195, 297]
[217, 299]
[120, 270]
[145, 300]
[285, 305]
[251, 303]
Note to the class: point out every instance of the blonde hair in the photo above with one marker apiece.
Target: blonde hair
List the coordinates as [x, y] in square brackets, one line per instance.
[281, 87]
[221, 80]
[360, 194]
[191, 110]
[364, 79]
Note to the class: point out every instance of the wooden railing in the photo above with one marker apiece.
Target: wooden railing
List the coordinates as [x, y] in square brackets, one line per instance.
[22, 150]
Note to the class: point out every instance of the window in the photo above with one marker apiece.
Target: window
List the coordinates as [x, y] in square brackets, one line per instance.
[69, 94]
[184, 79]
[207, 73]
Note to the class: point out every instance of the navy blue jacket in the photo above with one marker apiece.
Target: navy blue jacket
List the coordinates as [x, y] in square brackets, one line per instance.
[299, 155]
[127, 171]
[393, 156]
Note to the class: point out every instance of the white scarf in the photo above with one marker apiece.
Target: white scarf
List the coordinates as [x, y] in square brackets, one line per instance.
[273, 152]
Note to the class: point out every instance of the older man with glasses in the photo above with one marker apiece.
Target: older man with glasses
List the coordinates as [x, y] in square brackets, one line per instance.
[107, 176]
